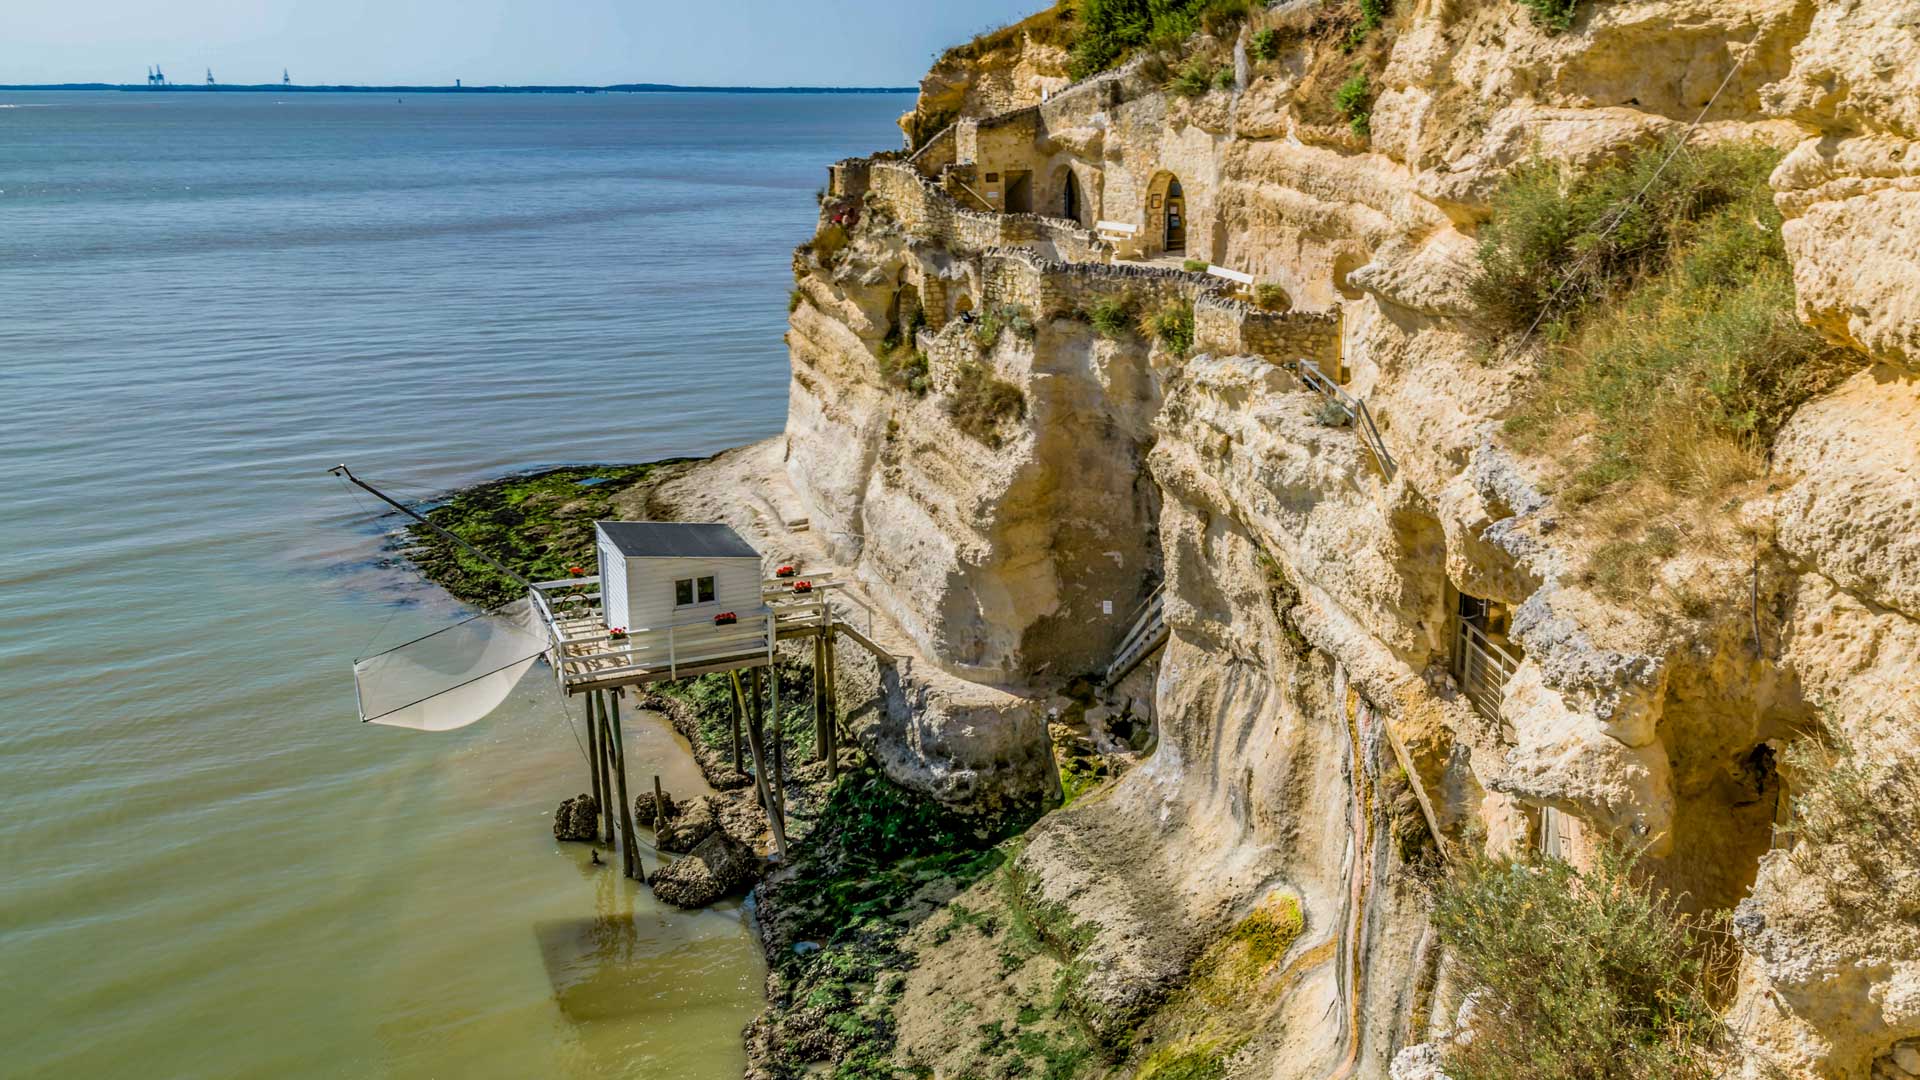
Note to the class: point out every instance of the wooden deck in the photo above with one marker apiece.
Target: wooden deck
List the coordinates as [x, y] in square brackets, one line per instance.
[586, 657]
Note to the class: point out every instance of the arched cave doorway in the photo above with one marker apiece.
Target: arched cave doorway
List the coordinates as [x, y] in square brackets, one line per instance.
[1167, 213]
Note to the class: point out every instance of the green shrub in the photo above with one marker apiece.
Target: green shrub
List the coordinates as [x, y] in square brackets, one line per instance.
[1265, 45]
[982, 401]
[1330, 413]
[828, 243]
[1373, 13]
[1553, 15]
[1578, 975]
[1112, 30]
[1172, 325]
[1194, 266]
[986, 328]
[1224, 78]
[1268, 296]
[1354, 99]
[905, 368]
[1853, 826]
[1193, 80]
[1112, 317]
[794, 300]
[1670, 321]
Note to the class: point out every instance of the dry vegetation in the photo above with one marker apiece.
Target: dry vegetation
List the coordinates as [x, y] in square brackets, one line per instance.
[1579, 975]
[1658, 296]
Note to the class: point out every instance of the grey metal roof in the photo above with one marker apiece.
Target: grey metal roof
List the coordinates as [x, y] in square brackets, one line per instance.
[676, 540]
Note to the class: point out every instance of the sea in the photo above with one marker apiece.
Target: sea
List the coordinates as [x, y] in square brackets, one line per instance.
[208, 866]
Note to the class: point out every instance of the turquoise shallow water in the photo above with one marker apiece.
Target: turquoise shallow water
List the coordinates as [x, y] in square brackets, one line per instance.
[211, 868]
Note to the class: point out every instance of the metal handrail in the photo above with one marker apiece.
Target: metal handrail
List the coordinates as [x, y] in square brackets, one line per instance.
[1357, 413]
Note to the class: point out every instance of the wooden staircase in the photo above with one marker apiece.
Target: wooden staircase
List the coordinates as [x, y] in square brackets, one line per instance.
[1145, 637]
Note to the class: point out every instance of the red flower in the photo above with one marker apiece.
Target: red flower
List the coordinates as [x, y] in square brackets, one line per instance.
[577, 571]
[803, 586]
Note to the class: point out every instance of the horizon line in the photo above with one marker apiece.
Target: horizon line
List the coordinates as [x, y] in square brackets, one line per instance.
[503, 88]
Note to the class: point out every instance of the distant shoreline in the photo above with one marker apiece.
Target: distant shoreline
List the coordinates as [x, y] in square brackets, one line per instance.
[620, 88]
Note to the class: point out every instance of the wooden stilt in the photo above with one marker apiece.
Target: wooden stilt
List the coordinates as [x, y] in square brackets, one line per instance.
[832, 706]
[593, 767]
[632, 862]
[779, 778]
[734, 677]
[601, 764]
[819, 699]
[759, 768]
[659, 808]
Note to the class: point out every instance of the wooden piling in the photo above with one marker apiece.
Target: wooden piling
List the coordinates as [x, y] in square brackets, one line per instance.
[593, 767]
[759, 766]
[779, 779]
[734, 677]
[659, 808]
[832, 704]
[632, 860]
[602, 757]
[819, 686]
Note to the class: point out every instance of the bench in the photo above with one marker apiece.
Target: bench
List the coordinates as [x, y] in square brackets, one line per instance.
[1125, 238]
[1243, 283]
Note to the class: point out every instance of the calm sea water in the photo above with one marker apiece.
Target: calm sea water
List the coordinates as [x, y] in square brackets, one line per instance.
[210, 868]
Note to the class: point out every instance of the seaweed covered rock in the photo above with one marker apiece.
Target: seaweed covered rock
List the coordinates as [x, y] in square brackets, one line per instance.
[643, 808]
[692, 823]
[719, 866]
[576, 819]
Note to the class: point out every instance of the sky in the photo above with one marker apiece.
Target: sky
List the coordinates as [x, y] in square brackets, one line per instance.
[429, 42]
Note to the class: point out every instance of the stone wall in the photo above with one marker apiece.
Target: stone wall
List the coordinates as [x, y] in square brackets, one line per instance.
[926, 212]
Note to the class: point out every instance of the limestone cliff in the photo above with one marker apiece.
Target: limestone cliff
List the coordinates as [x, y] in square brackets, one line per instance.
[1385, 641]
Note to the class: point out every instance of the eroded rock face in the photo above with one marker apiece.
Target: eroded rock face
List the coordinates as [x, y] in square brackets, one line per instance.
[1311, 577]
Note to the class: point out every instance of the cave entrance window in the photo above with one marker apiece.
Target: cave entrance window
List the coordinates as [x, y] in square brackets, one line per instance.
[1071, 199]
[1484, 655]
[1019, 192]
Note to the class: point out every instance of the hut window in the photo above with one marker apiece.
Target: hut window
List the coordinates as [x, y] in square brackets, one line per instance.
[693, 591]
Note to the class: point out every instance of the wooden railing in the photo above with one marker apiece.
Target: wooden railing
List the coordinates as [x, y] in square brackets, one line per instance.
[1481, 667]
[1357, 412]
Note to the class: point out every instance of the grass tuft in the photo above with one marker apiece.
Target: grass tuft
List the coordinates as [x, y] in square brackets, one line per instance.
[1172, 326]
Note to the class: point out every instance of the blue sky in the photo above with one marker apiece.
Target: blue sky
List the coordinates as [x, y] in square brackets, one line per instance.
[749, 42]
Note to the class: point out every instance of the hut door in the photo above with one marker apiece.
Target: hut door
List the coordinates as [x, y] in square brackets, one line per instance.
[1176, 219]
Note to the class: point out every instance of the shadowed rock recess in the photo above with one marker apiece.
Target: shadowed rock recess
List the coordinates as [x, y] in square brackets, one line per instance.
[1485, 525]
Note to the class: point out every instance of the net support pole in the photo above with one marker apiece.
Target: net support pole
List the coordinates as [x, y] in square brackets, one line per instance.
[819, 701]
[758, 749]
[632, 850]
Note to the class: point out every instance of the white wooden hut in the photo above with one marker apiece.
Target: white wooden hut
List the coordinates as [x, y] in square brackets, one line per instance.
[655, 574]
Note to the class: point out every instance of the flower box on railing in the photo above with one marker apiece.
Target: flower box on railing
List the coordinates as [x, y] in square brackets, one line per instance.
[803, 586]
[785, 572]
[617, 633]
[725, 618]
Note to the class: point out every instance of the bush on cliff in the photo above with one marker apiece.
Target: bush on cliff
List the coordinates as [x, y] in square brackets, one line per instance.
[1662, 292]
[1553, 15]
[1578, 975]
[1172, 326]
[981, 402]
[1112, 30]
[1112, 317]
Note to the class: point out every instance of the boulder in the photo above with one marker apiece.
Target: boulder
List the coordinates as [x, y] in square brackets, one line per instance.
[643, 808]
[695, 821]
[719, 866]
[577, 819]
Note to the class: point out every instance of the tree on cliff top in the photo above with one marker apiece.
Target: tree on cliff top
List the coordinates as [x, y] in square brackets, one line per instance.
[1111, 30]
